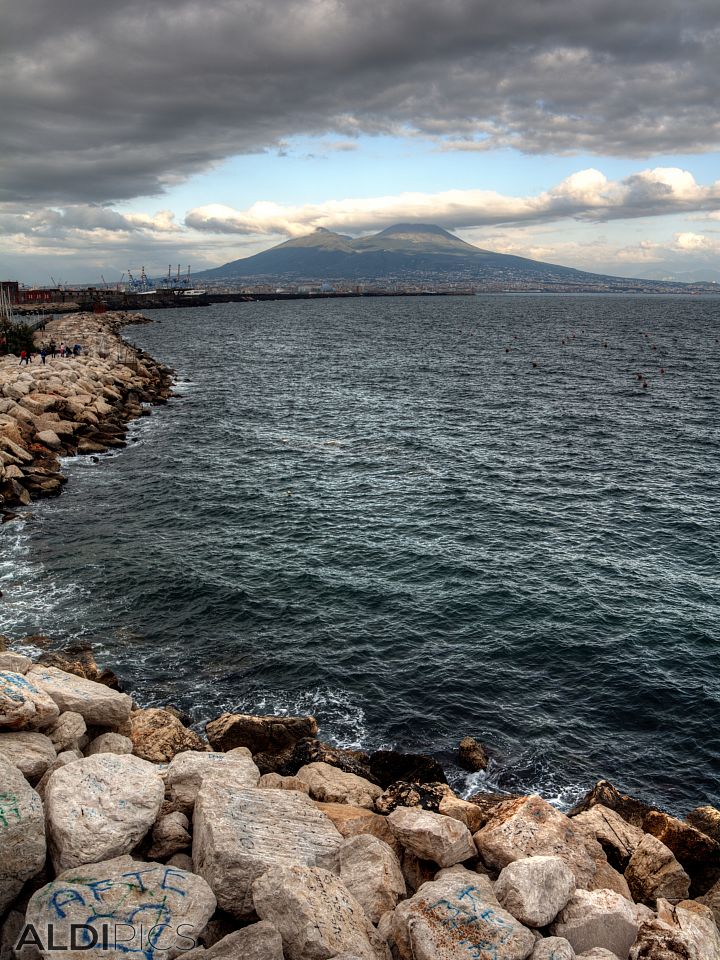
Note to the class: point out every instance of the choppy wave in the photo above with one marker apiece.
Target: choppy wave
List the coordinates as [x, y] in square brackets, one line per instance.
[369, 510]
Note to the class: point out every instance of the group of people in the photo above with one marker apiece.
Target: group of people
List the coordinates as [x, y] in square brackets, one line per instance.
[51, 350]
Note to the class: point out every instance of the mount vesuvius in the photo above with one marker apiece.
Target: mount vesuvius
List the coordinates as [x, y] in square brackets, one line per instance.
[405, 253]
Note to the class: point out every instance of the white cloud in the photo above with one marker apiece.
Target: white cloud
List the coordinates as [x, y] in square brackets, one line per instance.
[586, 194]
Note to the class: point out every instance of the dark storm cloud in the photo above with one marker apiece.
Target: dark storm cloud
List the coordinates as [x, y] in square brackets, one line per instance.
[105, 101]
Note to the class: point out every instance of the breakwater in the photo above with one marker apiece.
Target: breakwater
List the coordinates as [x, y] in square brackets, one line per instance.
[79, 403]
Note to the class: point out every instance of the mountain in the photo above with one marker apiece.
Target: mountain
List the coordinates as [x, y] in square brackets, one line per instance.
[406, 253]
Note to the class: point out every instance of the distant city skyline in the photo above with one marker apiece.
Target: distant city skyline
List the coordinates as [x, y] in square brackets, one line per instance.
[582, 133]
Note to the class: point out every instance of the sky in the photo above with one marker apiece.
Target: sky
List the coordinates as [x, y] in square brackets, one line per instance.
[155, 132]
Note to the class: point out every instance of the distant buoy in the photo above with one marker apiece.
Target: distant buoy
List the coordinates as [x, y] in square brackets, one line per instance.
[534, 364]
[662, 369]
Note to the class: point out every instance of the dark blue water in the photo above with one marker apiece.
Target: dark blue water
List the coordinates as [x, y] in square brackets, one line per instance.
[371, 510]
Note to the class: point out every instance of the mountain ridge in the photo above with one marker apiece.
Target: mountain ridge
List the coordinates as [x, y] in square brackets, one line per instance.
[409, 253]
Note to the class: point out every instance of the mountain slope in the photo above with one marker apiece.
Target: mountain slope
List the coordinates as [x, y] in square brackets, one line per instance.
[403, 252]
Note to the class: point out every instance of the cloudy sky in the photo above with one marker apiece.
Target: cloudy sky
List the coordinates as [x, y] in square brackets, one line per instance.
[145, 132]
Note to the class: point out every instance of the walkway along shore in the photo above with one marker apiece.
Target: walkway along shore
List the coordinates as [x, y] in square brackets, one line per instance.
[74, 405]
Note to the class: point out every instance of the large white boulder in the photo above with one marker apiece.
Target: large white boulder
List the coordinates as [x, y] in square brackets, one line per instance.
[188, 769]
[431, 836]
[598, 918]
[143, 910]
[315, 915]
[529, 827]
[100, 807]
[96, 703]
[32, 753]
[535, 890]
[23, 705]
[455, 918]
[22, 833]
[372, 873]
[331, 785]
[239, 833]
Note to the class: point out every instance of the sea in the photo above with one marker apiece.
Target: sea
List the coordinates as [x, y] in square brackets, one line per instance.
[417, 518]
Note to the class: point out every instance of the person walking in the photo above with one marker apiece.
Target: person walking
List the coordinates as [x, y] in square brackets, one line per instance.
[43, 354]
[53, 349]
[23, 357]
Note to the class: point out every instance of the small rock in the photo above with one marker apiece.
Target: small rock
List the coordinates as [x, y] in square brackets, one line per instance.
[463, 811]
[100, 807]
[654, 872]
[553, 948]
[170, 835]
[23, 705]
[330, 785]
[22, 833]
[32, 753]
[431, 836]
[66, 731]
[129, 898]
[109, 743]
[95, 702]
[472, 755]
[274, 781]
[158, 736]
[536, 889]
[315, 914]
[49, 438]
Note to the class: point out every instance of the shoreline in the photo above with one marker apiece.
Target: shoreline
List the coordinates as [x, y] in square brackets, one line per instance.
[267, 826]
[73, 406]
[276, 834]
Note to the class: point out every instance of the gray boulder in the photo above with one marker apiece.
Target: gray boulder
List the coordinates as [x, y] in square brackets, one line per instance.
[187, 770]
[536, 889]
[260, 941]
[553, 948]
[371, 872]
[66, 731]
[431, 836]
[654, 872]
[332, 785]
[100, 807]
[240, 833]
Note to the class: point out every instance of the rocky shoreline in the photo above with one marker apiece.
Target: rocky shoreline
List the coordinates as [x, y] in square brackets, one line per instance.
[127, 830]
[71, 406]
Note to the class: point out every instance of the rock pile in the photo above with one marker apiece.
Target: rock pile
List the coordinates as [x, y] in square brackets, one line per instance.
[122, 831]
[74, 405]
